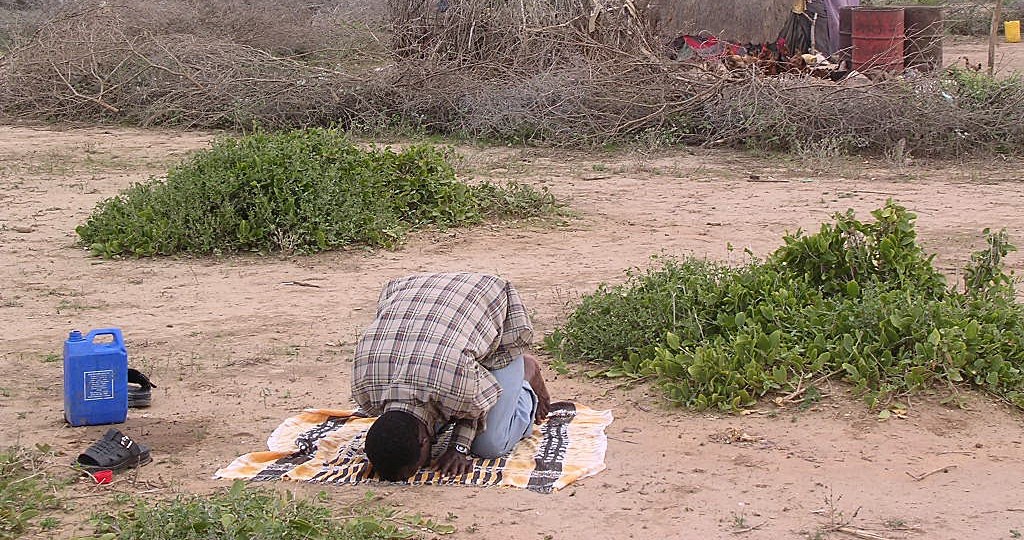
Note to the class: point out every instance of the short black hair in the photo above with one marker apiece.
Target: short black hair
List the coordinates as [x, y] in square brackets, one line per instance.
[393, 445]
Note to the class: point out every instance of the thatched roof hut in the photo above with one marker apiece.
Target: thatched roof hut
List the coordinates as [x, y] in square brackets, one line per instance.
[744, 21]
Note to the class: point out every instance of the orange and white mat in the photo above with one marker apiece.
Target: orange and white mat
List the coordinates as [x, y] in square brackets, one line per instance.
[326, 446]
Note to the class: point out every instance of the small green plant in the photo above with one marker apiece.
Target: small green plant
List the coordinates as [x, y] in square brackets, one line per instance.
[27, 492]
[516, 200]
[984, 274]
[255, 514]
[303, 191]
[976, 89]
[857, 300]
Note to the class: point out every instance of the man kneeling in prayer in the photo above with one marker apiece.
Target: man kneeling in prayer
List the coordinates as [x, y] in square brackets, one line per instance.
[447, 349]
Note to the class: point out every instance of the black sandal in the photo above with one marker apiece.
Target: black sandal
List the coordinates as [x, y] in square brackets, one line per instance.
[139, 389]
[115, 451]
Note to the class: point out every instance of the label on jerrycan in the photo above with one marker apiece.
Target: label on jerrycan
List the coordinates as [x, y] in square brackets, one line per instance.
[99, 385]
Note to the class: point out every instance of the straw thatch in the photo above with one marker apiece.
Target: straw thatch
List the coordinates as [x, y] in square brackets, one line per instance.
[755, 21]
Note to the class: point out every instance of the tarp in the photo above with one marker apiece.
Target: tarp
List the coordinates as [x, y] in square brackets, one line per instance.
[817, 17]
[832, 11]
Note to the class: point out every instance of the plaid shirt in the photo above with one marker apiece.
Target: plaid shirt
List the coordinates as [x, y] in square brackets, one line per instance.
[432, 345]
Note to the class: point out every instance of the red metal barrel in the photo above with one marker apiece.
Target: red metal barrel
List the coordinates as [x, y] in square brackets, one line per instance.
[923, 28]
[878, 39]
[845, 33]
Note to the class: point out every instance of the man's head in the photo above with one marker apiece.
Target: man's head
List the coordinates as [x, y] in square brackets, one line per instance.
[397, 445]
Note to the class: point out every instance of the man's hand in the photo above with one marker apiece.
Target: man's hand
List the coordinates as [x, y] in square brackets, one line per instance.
[453, 463]
[531, 372]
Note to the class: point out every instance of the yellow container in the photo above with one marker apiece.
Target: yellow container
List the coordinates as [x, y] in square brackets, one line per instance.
[1012, 31]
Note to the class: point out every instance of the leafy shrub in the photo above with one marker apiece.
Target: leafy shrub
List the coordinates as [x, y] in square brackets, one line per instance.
[25, 492]
[885, 251]
[856, 300]
[241, 513]
[303, 190]
[977, 90]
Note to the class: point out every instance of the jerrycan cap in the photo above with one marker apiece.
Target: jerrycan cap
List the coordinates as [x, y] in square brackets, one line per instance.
[75, 335]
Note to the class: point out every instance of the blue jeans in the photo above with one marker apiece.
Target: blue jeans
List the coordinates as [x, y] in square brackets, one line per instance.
[511, 419]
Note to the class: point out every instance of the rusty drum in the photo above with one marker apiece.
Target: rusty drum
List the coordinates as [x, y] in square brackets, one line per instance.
[877, 37]
[923, 29]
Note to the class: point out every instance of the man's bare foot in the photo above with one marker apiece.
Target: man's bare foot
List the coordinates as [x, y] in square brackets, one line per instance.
[531, 372]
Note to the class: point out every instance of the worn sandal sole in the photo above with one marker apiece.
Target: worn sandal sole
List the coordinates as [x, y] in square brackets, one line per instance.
[139, 399]
[139, 389]
[115, 451]
[143, 459]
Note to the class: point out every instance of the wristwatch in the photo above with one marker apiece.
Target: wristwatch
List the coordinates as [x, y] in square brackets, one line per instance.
[462, 449]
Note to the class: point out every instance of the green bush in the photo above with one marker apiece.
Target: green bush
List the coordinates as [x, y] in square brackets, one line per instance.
[856, 300]
[27, 491]
[239, 513]
[302, 190]
[976, 90]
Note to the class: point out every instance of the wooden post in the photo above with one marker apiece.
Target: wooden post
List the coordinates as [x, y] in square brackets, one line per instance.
[993, 35]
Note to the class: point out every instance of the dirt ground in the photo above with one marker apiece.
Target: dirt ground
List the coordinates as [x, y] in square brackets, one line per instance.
[1009, 57]
[235, 349]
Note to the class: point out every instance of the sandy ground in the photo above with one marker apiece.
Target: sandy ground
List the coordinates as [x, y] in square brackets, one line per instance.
[234, 349]
[961, 51]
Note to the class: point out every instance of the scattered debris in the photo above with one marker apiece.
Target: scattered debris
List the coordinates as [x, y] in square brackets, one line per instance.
[920, 477]
[751, 528]
[740, 438]
[300, 284]
[765, 179]
[859, 533]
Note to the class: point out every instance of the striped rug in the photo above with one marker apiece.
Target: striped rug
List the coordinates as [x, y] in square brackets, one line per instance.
[326, 446]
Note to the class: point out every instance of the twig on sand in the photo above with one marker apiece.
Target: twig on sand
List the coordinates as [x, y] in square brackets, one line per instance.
[622, 440]
[751, 528]
[300, 284]
[860, 533]
[639, 406]
[766, 179]
[920, 477]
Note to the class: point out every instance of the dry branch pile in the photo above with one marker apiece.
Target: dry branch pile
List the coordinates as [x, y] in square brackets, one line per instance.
[573, 104]
[748, 21]
[557, 72]
[519, 35]
[104, 62]
[923, 116]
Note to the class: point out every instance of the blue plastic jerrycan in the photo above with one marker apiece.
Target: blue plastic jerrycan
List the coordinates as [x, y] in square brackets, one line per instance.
[95, 378]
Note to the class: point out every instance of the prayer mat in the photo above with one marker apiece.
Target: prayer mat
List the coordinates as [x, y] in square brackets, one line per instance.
[326, 446]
